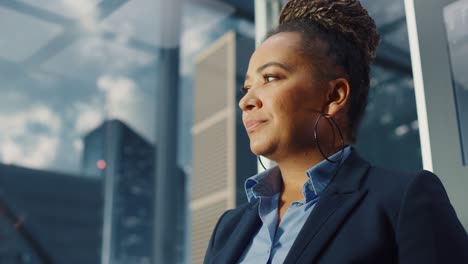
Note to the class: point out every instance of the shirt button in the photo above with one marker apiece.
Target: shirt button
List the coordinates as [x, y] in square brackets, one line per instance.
[311, 188]
[299, 204]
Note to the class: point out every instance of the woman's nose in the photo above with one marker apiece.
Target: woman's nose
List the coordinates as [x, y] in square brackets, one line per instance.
[250, 101]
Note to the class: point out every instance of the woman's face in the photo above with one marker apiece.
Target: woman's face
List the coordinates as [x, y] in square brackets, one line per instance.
[283, 98]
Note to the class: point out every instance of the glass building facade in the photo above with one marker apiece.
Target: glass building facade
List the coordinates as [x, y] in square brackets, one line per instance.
[49, 217]
[128, 189]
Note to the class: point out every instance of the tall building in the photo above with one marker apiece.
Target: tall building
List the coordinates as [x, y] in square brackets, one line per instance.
[221, 156]
[126, 162]
[48, 217]
[103, 219]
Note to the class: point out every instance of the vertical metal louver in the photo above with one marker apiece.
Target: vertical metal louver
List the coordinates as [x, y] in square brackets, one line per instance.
[213, 137]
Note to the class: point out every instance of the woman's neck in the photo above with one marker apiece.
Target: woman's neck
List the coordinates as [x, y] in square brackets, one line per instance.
[293, 172]
[294, 167]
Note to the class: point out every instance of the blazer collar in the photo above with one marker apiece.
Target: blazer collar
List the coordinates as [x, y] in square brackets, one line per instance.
[241, 236]
[350, 175]
[338, 199]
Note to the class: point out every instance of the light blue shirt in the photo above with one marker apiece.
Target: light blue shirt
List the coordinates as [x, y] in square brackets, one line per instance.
[268, 244]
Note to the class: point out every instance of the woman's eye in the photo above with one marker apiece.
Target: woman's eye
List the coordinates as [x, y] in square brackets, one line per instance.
[269, 78]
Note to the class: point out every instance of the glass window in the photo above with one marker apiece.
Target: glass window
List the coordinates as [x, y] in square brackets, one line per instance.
[389, 132]
[77, 109]
[456, 23]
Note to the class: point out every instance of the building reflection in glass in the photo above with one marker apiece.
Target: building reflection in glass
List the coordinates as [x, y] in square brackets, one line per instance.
[126, 162]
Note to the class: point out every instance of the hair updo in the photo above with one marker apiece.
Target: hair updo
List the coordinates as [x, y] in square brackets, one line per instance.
[351, 41]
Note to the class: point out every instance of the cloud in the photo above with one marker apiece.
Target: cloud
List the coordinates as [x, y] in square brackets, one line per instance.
[246, 28]
[44, 115]
[38, 155]
[20, 145]
[125, 100]
[122, 96]
[86, 11]
[193, 42]
[78, 145]
[17, 123]
[402, 130]
[89, 116]
[117, 97]
[114, 55]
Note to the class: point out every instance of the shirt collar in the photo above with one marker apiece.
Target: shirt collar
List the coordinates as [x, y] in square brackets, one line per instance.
[268, 182]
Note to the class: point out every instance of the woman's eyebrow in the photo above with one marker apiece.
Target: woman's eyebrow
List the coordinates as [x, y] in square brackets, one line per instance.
[270, 64]
[273, 63]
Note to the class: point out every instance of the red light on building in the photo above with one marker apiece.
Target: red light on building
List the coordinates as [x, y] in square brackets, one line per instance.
[101, 164]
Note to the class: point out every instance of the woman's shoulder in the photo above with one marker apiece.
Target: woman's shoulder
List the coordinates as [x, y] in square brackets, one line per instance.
[390, 183]
[397, 180]
[393, 189]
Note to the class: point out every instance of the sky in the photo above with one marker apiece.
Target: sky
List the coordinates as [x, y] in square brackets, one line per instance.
[67, 66]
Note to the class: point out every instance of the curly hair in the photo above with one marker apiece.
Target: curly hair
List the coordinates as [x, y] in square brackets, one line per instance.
[350, 37]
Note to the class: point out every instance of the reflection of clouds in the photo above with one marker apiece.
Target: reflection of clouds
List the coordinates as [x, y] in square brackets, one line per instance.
[38, 155]
[386, 118]
[89, 116]
[114, 54]
[85, 11]
[16, 123]
[401, 130]
[117, 97]
[199, 23]
[193, 42]
[246, 28]
[122, 96]
[107, 53]
[78, 145]
[404, 129]
[44, 115]
[105, 47]
[21, 145]
[63, 7]
[204, 15]
[456, 18]
[151, 22]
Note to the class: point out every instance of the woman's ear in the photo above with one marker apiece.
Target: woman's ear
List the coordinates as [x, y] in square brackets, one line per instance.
[338, 94]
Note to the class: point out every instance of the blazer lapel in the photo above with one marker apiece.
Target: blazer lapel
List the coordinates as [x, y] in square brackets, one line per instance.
[335, 204]
[234, 246]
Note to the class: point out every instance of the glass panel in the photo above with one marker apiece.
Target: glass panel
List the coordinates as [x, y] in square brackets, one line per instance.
[77, 108]
[456, 24]
[389, 133]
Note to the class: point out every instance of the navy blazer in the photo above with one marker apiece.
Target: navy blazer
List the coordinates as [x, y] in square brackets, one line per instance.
[365, 215]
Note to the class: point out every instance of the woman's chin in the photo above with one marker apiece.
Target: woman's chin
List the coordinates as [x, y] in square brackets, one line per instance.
[263, 149]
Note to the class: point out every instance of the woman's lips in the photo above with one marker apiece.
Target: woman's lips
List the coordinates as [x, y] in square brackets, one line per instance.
[252, 124]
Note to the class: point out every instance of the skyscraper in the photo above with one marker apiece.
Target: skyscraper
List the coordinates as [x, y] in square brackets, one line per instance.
[126, 161]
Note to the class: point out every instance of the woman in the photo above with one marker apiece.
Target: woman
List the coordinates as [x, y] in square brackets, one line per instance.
[305, 92]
